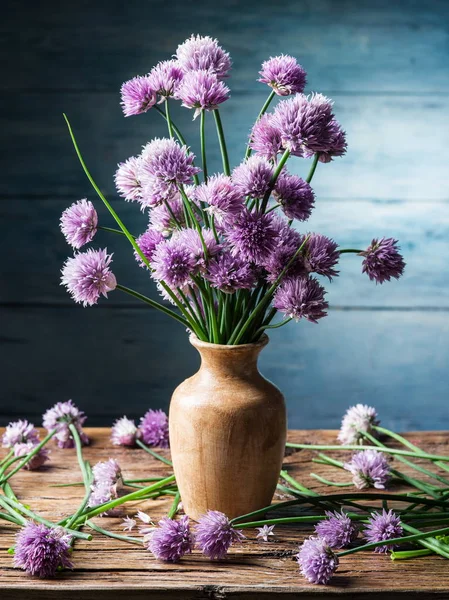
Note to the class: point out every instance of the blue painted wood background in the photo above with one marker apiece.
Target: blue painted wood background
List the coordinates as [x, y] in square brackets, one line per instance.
[386, 65]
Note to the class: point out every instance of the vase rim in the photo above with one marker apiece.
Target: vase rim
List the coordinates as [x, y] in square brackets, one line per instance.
[197, 343]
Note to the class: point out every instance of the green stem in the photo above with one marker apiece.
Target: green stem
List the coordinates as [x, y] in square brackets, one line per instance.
[153, 453]
[116, 536]
[154, 304]
[393, 451]
[137, 495]
[222, 142]
[7, 502]
[167, 116]
[273, 180]
[407, 554]
[313, 167]
[275, 326]
[103, 198]
[353, 250]
[304, 490]
[112, 230]
[86, 473]
[203, 143]
[262, 112]
[28, 457]
[333, 483]
[12, 519]
[422, 535]
[7, 457]
[174, 507]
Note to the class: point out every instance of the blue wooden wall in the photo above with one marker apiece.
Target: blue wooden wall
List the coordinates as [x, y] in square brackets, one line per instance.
[386, 65]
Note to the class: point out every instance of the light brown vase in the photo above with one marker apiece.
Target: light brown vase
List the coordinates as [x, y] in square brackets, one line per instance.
[227, 432]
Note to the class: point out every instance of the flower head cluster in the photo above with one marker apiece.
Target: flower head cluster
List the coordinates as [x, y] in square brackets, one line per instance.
[138, 96]
[18, 432]
[172, 539]
[79, 223]
[229, 273]
[214, 534]
[60, 417]
[223, 198]
[165, 78]
[321, 255]
[148, 243]
[284, 75]
[124, 432]
[191, 240]
[252, 177]
[369, 468]
[357, 420]
[202, 53]
[301, 298]
[37, 460]
[107, 482]
[165, 217]
[317, 561]
[173, 263]
[154, 428]
[266, 138]
[295, 196]
[202, 90]
[127, 179]
[382, 260]
[87, 276]
[253, 235]
[338, 531]
[383, 526]
[41, 550]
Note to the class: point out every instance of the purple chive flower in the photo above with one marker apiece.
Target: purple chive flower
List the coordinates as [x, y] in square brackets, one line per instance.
[173, 263]
[295, 196]
[202, 90]
[252, 177]
[172, 539]
[230, 273]
[107, 481]
[357, 420]
[79, 223]
[41, 550]
[161, 218]
[265, 532]
[124, 432]
[87, 276]
[321, 255]
[253, 236]
[317, 561]
[24, 448]
[304, 124]
[127, 179]
[148, 243]
[137, 96]
[369, 468]
[284, 75]
[338, 531]
[128, 524]
[214, 534]
[382, 260]
[165, 78]
[18, 432]
[166, 163]
[224, 200]
[190, 239]
[288, 241]
[266, 138]
[200, 53]
[383, 526]
[337, 144]
[301, 298]
[154, 428]
[59, 417]
[147, 528]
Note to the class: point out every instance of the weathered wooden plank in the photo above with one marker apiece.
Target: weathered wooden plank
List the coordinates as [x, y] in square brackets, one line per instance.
[423, 230]
[115, 361]
[394, 46]
[105, 567]
[383, 161]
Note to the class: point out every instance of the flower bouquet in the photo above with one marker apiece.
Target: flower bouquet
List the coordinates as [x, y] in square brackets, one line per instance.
[225, 252]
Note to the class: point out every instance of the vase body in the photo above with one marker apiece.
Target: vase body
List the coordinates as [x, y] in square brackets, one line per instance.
[227, 432]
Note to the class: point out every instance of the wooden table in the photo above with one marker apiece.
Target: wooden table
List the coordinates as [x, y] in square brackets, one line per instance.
[110, 569]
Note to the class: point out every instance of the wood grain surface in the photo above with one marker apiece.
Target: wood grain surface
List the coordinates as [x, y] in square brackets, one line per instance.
[109, 569]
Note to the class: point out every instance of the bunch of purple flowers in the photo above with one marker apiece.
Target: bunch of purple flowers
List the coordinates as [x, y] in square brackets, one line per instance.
[224, 249]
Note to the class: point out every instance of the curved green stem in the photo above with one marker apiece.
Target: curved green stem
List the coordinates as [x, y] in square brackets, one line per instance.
[222, 142]
[28, 457]
[174, 507]
[167, 116]
[352, 250]
[262, 112]
[275, 326]
[12, 519]
[112, 230]
[333, 483]
[313, 167]
[116, 536]
[273, 180]
[203, 143]
[393, 451]
[154, 304]
[154, 454]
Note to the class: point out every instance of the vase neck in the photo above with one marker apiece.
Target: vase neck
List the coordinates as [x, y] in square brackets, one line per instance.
[229, 360]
